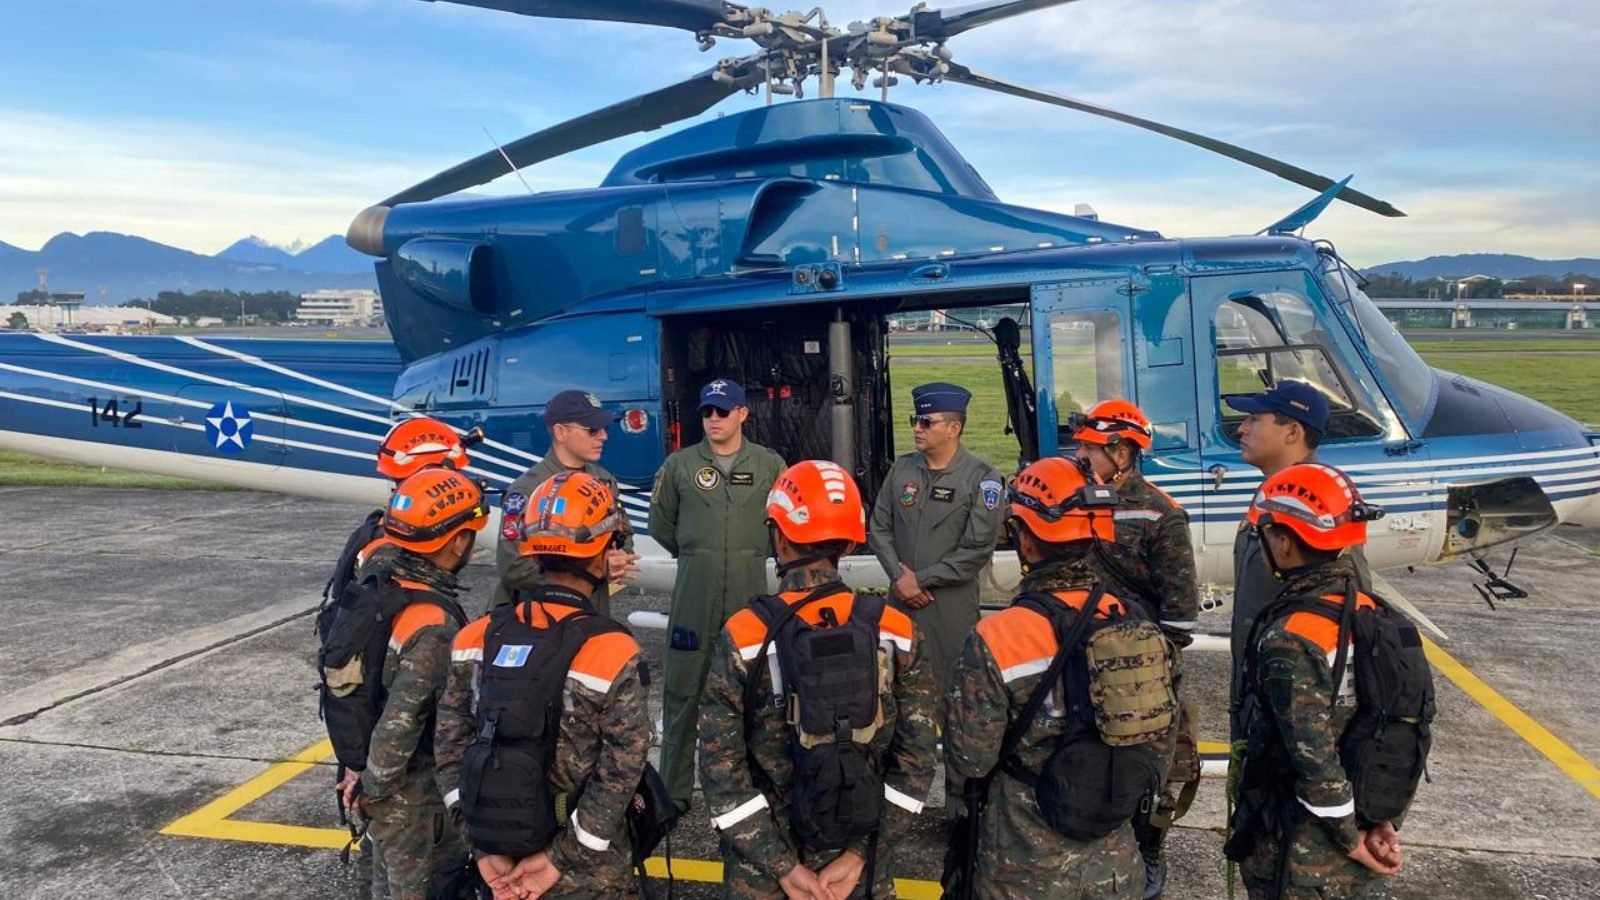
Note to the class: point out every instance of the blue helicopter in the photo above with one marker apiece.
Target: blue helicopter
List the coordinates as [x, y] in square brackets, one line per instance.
[773, 246]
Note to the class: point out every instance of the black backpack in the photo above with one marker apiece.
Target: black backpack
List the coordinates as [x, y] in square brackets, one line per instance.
[344, 571]
[355, 633]
[1088, 787]
[1385, 747]
[506, 798]
[830, 692]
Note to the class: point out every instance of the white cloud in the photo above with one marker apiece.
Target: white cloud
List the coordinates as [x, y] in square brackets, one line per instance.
[193, 187]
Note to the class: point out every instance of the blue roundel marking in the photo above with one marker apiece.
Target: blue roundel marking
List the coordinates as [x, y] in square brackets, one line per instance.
[229, 427]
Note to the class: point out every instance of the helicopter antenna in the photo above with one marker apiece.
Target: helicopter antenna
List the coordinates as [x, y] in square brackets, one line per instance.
[514, 170]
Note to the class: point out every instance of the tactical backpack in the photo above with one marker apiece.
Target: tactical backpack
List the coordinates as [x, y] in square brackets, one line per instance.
[830, 695]
[506, 797]
[1384, 749]
[355, 632]
[1117, 677]
[344, 571]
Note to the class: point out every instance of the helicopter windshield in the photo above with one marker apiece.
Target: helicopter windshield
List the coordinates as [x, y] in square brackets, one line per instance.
[1410, 379]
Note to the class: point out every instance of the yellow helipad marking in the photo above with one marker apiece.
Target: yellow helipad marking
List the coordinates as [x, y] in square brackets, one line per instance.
[212, 821]
[1554, 749]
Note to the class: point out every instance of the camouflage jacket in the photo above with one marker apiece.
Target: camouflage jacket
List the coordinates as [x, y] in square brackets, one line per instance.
[601, 746]
[1001, 664]
[400, 759]
[755, 823]
[1301, 716]
[1152, 561]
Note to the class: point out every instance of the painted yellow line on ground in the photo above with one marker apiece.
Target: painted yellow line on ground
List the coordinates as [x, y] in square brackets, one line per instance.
[1212, 748]
[1554, 749]
[212, 821]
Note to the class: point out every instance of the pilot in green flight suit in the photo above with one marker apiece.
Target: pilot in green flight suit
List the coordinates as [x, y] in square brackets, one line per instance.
[935, 524]
[708, 510]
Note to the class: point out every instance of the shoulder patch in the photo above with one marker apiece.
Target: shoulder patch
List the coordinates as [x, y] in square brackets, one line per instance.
[513, 503]
[1020, 640]
[412, 619]
[991, 491]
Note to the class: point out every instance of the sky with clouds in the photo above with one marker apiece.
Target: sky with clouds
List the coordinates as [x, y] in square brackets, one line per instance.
[195, 122]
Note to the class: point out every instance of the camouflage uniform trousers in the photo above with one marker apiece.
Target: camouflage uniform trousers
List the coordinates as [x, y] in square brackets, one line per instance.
[1017, 862]
[410, 844]
[1317, 870]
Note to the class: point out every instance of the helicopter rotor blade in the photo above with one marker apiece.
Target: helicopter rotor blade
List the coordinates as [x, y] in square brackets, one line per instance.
[1312, 180]
[938, 24]
[642, 113]
[691, 15]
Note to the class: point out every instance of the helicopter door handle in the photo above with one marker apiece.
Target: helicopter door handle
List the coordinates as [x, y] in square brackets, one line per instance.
[1218, 472]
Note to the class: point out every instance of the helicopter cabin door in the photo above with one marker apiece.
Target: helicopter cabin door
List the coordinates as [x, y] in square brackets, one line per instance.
[1264, 327]
[1081, 353]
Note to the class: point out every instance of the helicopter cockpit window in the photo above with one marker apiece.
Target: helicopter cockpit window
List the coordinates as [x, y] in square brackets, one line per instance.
[1086, 362]
[1410, 380]
[1263, 339]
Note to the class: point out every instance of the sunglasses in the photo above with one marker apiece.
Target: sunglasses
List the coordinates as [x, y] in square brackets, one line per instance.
[591, 432]
[925, 422]
[712, 412]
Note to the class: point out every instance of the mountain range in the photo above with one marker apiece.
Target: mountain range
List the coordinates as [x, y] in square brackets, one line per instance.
[1495, 265]
[111, 268]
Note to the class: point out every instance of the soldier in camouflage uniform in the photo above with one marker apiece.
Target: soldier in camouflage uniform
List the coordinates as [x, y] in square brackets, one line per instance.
[1019, 856]
[1152, 563]
[935, 523]
[1293, 787]
[816, 514]
[431, 524]
[577, 425]
[1282, 427]
[605, 730]
[706, 510]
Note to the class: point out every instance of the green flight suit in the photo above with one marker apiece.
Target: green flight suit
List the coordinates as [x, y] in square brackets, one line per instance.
[943, 524]
[519, 573]
[715, 526]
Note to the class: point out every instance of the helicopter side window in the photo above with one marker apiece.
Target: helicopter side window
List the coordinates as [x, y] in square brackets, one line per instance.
[1086, 362]
[1263, 339]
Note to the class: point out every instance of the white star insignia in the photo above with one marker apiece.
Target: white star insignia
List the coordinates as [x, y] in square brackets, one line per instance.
[239, 423]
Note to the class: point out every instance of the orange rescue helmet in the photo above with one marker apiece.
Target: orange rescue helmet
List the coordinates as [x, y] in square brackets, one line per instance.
[1318, 503]
[1110, 421]
[1059, 500]
[433, 506]
[815, 501]
[570, 514]
[420, 443]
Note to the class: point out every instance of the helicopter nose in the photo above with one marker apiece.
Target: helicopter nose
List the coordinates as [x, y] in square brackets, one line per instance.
[366, 230]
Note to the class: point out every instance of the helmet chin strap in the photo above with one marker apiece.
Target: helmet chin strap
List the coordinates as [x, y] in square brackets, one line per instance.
[784, 568]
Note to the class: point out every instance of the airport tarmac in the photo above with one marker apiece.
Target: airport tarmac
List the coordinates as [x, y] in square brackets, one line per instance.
[159, 735]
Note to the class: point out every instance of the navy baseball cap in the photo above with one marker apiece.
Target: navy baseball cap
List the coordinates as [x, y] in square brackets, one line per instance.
[722, 394]
[1296, 399]
[939, 397]
[577, 408]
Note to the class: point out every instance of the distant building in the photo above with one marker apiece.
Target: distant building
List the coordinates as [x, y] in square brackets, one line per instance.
[340, 308]
[88, 318]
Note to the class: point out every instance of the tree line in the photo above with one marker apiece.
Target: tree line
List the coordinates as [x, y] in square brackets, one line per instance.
[266, 307]
[1395, 286]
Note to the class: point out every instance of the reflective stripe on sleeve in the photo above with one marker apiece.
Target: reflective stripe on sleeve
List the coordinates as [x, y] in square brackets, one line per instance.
[452, 798]
[904, 801]
[588, 840]
[1179, 625]
[741, 812]
[1145, 515]
[1347, 808]
[1023, 670]
[592, 682]
[474, 654]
